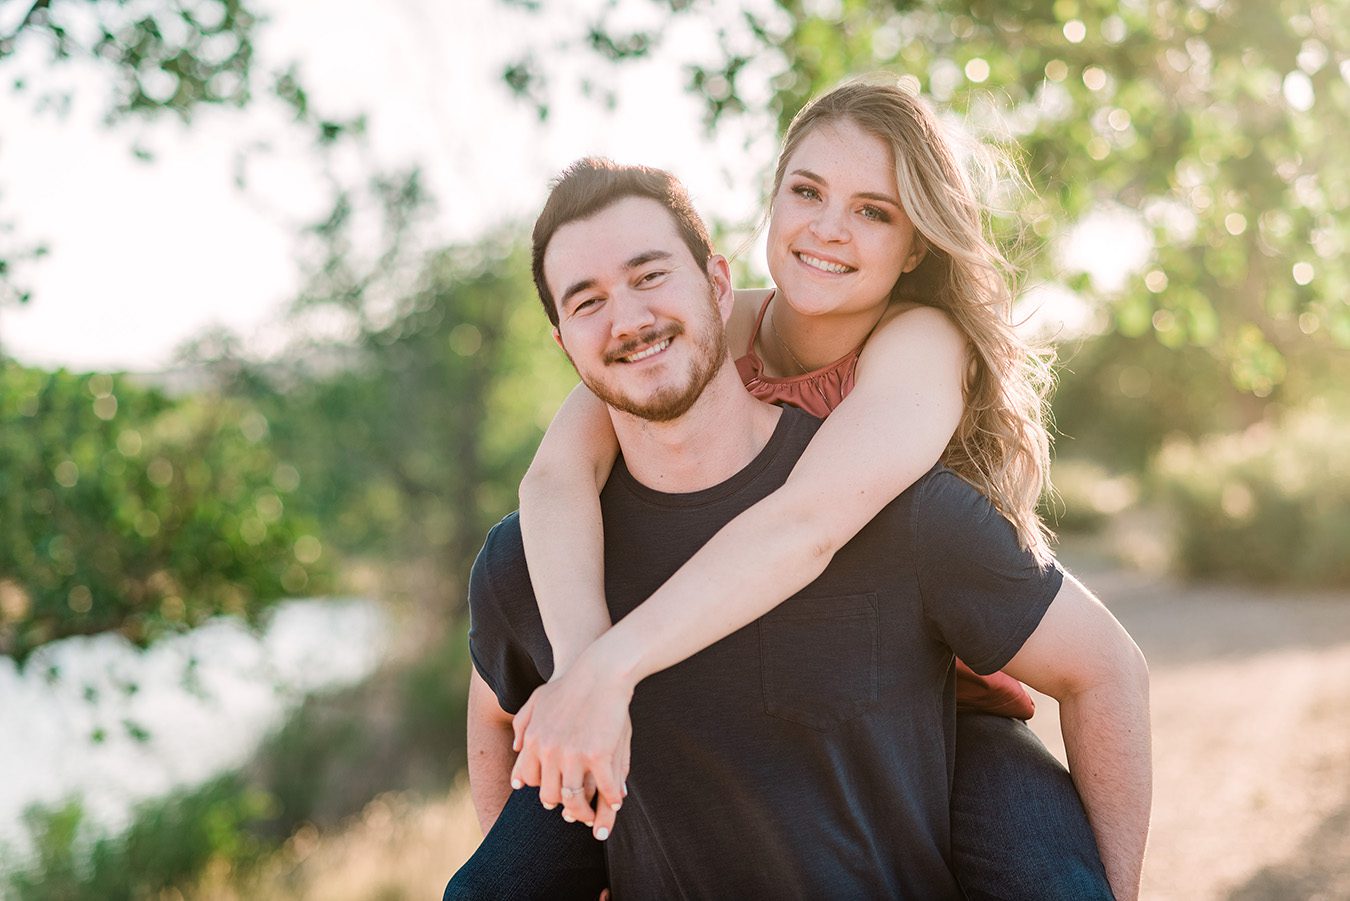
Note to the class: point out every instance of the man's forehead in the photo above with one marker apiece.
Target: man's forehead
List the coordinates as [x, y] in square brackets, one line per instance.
[610, 238]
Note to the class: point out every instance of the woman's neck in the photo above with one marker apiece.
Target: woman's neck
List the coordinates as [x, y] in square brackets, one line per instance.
[791, 343]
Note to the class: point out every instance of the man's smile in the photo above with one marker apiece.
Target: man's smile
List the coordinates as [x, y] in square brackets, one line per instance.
[644, 347]
[649, 352]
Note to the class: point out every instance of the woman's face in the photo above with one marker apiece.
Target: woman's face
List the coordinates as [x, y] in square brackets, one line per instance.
[838, 236]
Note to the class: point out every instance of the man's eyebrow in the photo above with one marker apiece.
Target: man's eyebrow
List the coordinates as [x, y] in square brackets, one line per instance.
[577, 288]
[641, 259]
[868, 195]
[646, 257]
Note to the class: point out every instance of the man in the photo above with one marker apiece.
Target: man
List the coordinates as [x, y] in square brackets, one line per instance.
[808, 754]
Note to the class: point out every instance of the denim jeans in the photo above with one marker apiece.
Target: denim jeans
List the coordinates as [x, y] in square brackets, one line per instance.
[531, 853]
[1018, 826]
[1018, 832]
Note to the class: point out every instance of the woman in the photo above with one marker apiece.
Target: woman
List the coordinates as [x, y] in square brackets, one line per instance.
[890, 314]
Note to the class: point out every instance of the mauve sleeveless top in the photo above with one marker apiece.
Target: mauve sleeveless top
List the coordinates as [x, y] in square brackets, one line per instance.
[818, 392]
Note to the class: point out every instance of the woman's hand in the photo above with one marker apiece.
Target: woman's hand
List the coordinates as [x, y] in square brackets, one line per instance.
[573, 739]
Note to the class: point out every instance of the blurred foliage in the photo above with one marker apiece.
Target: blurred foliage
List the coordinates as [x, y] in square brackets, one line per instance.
[1268, 504]
[402, 427]
[1119, 398]
[413, 418]
[401, 731]
[153, 58]
[1216, 121]
[169, 843]
[1086, 496]
[123, 509]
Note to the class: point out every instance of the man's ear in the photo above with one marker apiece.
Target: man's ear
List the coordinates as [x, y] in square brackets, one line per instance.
[557, 339]
[719, 274]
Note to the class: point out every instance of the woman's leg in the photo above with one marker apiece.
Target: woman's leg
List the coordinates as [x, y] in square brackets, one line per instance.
[532, 853]
[1018, 826]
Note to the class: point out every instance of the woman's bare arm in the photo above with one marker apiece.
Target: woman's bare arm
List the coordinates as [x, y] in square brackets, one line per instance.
[889, 431]
[561, 528]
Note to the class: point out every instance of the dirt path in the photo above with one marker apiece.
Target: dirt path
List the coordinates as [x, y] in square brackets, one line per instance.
[1251, 737]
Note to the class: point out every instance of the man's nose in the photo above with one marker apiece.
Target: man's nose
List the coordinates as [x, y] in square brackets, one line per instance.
[632, 315]
[830, 224]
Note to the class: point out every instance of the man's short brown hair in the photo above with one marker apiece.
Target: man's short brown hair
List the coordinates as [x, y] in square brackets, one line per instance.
[590, 185]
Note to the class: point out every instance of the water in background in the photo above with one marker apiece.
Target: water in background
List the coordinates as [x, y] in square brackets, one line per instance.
[99, 720]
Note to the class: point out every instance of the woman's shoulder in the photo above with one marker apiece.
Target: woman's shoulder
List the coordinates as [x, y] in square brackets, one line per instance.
[909, 328]
[905, 320]
[906, 314]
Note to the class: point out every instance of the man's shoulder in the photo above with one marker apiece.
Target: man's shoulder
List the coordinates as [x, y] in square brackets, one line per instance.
[500, 564]
[945, 508]
[503, 541]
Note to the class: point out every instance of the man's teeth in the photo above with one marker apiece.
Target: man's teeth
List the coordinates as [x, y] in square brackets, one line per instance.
[649, 352]
[823, 265]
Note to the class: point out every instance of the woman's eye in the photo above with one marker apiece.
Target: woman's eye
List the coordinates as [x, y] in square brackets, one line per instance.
[806, 192]
[876, 214]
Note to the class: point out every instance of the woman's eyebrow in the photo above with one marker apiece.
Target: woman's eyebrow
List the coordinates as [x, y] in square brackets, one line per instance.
[866, 195]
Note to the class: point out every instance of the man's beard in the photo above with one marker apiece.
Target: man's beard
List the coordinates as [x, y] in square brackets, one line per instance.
[710, 347]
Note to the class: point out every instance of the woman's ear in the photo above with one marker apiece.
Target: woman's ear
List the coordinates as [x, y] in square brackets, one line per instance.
[917, 252]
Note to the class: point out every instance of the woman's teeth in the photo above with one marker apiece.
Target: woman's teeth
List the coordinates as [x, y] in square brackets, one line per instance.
[649, 352]
[823, 265]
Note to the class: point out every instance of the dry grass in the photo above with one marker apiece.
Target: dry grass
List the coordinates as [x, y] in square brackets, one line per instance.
[396, 849]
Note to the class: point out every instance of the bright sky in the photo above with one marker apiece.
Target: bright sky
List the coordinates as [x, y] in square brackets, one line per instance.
[144, 256]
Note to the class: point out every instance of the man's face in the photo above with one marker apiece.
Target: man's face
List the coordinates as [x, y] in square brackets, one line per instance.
[639, 318]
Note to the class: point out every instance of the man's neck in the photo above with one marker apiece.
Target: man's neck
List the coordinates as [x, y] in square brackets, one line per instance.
[720, 434]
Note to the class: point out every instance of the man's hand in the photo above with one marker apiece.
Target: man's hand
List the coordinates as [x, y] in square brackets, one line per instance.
[573, 738]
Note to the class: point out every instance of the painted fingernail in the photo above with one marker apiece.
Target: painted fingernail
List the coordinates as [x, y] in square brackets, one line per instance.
[602, 833]
[516, 783]
[625, 789]
[568, 817]
[548, 806]
[615, 806]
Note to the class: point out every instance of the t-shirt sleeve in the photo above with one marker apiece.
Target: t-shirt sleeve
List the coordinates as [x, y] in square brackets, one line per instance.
[503, 618]
[982, 592]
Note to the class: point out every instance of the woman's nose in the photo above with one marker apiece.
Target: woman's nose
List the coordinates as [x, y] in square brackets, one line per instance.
[829, 224]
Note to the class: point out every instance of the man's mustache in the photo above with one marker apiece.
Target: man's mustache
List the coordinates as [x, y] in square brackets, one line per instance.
[646, 339]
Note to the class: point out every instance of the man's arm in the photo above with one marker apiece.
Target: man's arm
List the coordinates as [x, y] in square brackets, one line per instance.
[1081, 656]
[490, 754]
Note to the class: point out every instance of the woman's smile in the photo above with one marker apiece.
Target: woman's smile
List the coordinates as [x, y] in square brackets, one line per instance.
[823, 264]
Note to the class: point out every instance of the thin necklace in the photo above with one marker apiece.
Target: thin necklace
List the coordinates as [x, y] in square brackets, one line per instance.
[773, 323]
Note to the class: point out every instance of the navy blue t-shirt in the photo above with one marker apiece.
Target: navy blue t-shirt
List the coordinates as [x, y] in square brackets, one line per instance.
[810, 753]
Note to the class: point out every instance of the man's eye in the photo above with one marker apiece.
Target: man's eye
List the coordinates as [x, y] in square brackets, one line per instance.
[651, 278]
[584, 305]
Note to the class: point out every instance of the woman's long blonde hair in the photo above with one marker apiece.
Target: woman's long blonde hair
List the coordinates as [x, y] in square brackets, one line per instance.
[1002, 445]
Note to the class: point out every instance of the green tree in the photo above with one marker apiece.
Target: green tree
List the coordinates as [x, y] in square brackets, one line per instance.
[124, 509]
[1216, 121]
[413, 421]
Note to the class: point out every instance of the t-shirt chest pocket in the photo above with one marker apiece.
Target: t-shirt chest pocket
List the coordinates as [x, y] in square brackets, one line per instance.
[818, 659]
